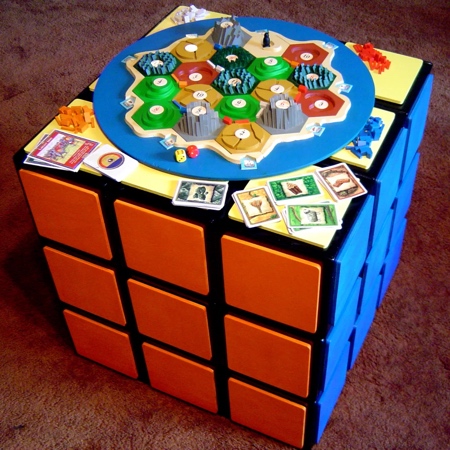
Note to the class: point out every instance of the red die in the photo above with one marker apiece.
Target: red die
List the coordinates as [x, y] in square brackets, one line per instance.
[192, 151]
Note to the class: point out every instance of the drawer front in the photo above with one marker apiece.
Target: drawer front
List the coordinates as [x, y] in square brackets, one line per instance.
[171, 319]
[267, 413]
[268, 356]
[181, 377]
[102, 344]
[85, 285]
[66, 213]
[271, 284]
[163, 247]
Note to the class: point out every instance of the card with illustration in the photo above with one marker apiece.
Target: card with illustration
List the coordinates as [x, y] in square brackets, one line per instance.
[341, 182]
[63, 150]
[200, 194]
[257, 206]
[315, 215]
[289, 190]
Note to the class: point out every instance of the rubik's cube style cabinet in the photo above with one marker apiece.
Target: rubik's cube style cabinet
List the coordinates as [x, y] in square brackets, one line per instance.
[248, 323]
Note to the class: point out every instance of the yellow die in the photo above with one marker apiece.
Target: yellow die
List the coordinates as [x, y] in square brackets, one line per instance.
[180, 155]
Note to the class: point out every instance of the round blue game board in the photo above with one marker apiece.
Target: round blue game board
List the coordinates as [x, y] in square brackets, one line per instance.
[286, 157]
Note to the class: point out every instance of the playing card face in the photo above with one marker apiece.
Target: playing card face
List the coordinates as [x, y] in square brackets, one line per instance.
[200, 194]
[62, 150]
[290, 190]
[256, 206]
[341, 182]
[315, 215]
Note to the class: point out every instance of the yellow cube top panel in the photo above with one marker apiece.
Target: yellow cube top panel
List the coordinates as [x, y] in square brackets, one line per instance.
[394, 84]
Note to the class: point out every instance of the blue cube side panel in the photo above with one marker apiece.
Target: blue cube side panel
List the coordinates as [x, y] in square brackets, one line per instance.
[388, 182]
[376, 258]
[392, 259]
[339, 335]
[416, 122]
[327, 401]
[405, 193]
[364, 320]
[351, 257]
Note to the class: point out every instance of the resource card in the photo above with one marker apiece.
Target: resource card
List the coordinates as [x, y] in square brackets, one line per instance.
[256, 206]
[315, 215]
[200, 194]
[340, 182]
[290, 190]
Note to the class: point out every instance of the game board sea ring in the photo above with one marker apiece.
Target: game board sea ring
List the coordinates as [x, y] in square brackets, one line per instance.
[288, 154]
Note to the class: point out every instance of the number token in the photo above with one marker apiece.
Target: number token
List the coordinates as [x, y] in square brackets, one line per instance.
[199, 110]
[191, 48]
[159, 81]
[282, 104]
[234, 81]
[239, 103]
[242, 133]
[199, 95]
[156, 110]
[270, 61]
[321, 104]
[277, 89]
[306, 56]
[195, 76]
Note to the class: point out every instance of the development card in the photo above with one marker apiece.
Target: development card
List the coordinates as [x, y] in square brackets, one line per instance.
[340, 182]
[315, 215]
[62, 149]
[290, 190]
[200, 194]
[256, 206]
[111, 162]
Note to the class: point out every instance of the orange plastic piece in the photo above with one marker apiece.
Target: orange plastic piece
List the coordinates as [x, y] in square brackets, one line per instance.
[164, 247]
[180, 377]
[182, 84]
[66, 213]
[242, 121]
[75, 119]
[271, 283]
[171, 319]
[101, 344]
[377, 61]
[298, 97]
[267, 413]
[85, 285]
[227, 120]
[268, 356]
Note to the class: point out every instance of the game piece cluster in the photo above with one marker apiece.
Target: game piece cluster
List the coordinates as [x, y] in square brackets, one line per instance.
[190, 14]
[75, 119]
[377, 61]
[360, 146]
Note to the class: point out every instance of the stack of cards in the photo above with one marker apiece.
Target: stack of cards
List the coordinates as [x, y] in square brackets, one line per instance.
[257, 206]
[61, 150]
[340, 182]
[200, 194]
